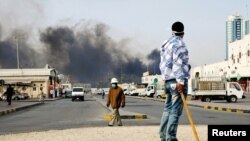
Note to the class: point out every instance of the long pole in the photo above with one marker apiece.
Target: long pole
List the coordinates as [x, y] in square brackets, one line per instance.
[121, 73]
[189, 117]
[17, 53]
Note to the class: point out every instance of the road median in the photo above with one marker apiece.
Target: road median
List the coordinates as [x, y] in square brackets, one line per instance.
[124, 114]
[226, 107]
[16, 106]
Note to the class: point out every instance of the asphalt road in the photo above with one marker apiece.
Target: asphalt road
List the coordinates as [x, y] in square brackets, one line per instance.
[200, 116]
[64, 114]
[60, 114]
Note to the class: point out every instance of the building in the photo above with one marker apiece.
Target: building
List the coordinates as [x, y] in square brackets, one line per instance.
[152, 79]
[30, 81]
[86, 86]
[236, 29]
[236, 68]
[214, 70]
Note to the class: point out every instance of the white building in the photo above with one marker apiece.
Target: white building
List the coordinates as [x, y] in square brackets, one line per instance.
[239, 52]
[150, 79]
[30, 81]
[236, 68]
[210, 70]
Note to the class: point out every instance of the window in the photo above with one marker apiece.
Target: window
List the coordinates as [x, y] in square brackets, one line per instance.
[149, 88]
[78, 90]
[41, 88]
[240, 55]
[34, 88]
[235, 86]
[248, 53]
[41, 85]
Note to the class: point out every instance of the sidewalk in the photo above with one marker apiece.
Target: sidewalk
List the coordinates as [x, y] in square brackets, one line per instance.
[16, 106]
[220, 106]
[124, 133]
[124, 114]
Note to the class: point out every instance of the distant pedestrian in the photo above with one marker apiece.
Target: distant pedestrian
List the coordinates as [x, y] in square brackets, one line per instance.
[55, 93]
[41, 98]
[174, 68]
[63, 91]
[51, 93]
[116, 99]
[9, 93]
[103, 94]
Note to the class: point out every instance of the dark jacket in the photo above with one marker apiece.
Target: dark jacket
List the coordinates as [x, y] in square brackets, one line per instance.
[116, 98]
[10, 91]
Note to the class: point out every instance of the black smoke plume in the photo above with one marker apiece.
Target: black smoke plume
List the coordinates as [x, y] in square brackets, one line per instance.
[8, 51]
[85, 54]
[154, 58]
[90, 55]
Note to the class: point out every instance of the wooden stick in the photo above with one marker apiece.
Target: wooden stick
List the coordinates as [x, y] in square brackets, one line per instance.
[189, 117]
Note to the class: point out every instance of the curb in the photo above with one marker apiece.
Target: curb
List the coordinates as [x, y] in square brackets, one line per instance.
[155, 99]
[37, 100]
[215, 108]
[18, 109]
[230, 110]
[109, 117]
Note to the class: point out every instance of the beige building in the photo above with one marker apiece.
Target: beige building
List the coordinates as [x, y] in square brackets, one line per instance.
[30, 81]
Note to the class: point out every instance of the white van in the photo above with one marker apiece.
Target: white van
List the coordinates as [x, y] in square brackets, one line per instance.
[77, 93]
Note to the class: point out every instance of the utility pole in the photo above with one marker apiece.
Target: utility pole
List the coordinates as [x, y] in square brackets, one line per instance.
[17, 52]
[121, 73]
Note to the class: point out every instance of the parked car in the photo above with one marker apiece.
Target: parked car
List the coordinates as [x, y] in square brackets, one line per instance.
[3, 96]
[98, 91]
[26, 96]
[126, 92]
[17, 96]
[68, 95]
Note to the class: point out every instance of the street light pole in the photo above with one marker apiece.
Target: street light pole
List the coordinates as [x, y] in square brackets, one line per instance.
[17, 53]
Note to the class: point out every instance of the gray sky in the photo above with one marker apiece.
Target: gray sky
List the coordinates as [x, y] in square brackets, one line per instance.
[146, 22]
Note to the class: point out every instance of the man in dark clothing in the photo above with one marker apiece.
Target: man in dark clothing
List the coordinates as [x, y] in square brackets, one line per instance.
[103, 94]
[9, 92]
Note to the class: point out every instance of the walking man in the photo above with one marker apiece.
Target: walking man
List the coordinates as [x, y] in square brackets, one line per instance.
[103, 94]
[51, 93]
[9, 92]
[174, 68]
[116, 99]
